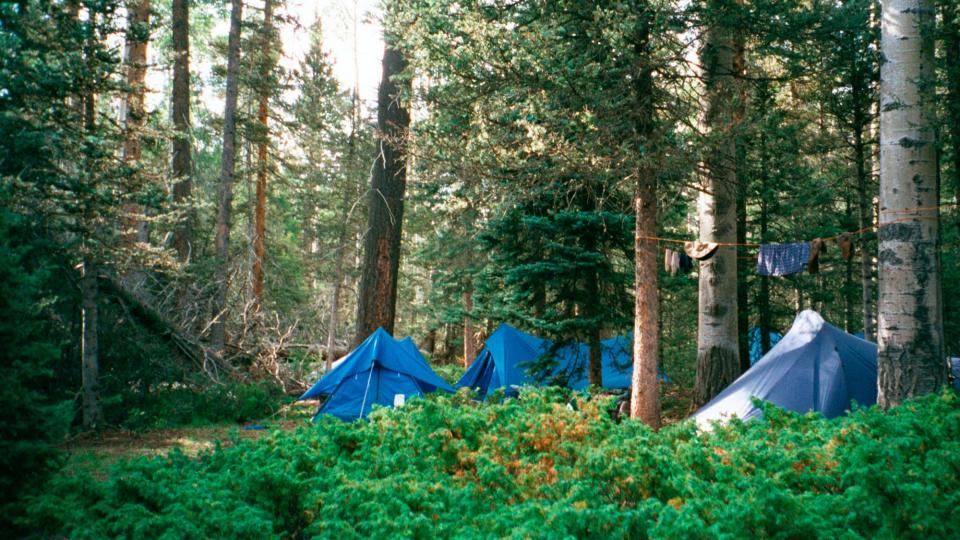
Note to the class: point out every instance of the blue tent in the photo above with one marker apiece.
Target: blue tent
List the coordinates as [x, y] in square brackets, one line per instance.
[756, 348]
[501, 362]
[616, 357]
[507, 353]
[815, 367]
[380, 370]
[955, 372]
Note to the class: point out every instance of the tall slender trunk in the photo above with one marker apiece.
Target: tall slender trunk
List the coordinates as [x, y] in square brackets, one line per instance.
[469, 343]
[717, 343]
[743, 191]
[864, 220]
[91, 350]
[218, 330]
[763, 302]
[645, 393]
[848, 272]
[377, 303]
[951, 55]
[135, 58]
[260, 213]
[181, 162]
[910, 328]
[344, 229]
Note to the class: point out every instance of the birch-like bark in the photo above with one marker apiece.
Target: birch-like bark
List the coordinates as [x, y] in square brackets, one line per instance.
[910, 327]
[717, 342]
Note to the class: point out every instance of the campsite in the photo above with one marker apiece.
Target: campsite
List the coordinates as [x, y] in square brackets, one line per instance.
[480, 269]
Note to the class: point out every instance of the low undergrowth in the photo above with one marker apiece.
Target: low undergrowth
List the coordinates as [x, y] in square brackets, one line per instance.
[537, 467]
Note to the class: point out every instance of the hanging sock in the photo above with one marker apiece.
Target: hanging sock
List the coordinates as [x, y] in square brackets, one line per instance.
[686, 264]
[846, 246]
[782, 259]
[817, 246]
[700, 250]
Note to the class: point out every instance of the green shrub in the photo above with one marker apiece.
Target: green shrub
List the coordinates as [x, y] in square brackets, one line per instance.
[178, 404]
[447, 466]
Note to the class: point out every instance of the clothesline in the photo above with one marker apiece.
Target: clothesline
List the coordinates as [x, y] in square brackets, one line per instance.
[850, 233]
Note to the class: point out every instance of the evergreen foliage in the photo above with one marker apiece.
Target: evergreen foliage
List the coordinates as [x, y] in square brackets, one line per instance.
[446, 466]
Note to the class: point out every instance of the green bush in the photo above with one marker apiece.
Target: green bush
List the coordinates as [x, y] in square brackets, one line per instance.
[533, 467]
[178, 404]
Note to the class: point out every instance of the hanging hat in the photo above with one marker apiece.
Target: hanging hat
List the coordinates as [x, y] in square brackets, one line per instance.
[700, 251]
[846, 246]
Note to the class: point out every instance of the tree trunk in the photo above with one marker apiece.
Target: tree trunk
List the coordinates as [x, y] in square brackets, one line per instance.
[864, 219]
[763, 302]
[135, 58]
[743, 261]
[260, 212]
[90, 361]
[377, 301]
[180, 166]
[951, 55]
[848, 287]
[717, 342]
[645, 395]
[469, 344]
[344, 228]
[218, 330]
[910, 328]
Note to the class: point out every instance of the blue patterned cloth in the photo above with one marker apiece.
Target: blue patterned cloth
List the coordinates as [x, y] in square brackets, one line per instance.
[782, 259]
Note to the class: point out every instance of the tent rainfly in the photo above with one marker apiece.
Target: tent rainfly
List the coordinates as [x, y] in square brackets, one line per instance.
[380, 370]
[815, 367]
[504, 359]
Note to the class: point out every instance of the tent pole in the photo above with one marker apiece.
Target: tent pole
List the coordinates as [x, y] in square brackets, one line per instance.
[363, 404]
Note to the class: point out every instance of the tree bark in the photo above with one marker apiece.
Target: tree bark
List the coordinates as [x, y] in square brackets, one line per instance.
[90, 347]
[743, 189]
[763, 302]
[135, 59]
[469, 344]
[218, 330]
[717, 341]
[181, 162]
[864, 217]
[910, 328]
[951, 54]
[377, 301]
[260, 212]
[645, 394]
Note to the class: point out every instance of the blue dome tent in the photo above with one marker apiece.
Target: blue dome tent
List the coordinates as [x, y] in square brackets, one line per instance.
[508, 352]
[815, 367]
[380, 370]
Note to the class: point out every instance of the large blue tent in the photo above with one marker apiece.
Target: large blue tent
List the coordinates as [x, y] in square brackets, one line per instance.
[380, 370]
[815, 367]
[508, 353]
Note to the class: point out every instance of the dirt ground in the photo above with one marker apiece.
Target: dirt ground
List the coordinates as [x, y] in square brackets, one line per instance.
[95, 453]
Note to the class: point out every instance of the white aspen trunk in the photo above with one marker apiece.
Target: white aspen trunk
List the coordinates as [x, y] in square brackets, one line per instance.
[909, 325]
[717, 343]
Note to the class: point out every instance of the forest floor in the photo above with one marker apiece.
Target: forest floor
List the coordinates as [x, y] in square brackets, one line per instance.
[96, 453]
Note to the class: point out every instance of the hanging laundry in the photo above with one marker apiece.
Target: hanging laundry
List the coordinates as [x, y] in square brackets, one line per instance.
[846, 246]
[674, 263]
[686, 264]
[700, 250]
[817, 246]
[667, 255]
[782, 259]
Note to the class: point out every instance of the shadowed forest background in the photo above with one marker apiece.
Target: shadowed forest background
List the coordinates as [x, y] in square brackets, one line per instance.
[195, 222]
